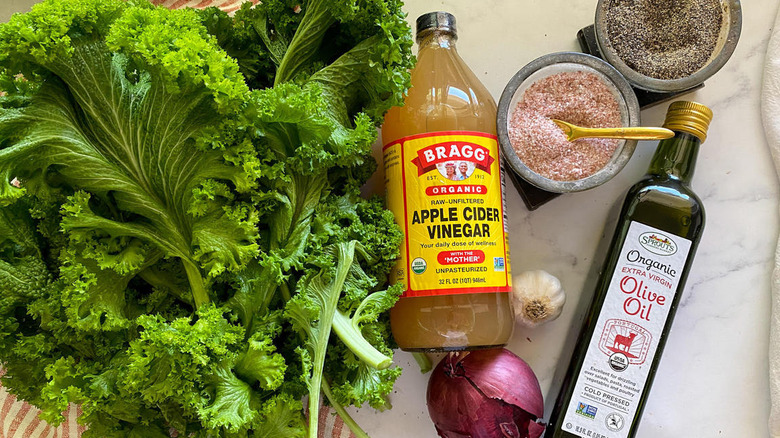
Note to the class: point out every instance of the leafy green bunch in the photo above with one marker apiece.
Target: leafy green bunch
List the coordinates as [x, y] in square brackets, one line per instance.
[183, 244]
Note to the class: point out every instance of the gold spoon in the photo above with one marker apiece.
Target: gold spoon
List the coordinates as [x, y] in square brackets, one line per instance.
[574, 132]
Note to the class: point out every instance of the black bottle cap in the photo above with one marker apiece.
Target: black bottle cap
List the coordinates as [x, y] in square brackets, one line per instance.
[437, 20]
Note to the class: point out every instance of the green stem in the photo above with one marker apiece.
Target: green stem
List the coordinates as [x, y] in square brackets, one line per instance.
[285, 289]
[423, 361]
[199, 293]
[306, 41]
[348, 420]
[314, 394]
[327, 316]
[355, 341]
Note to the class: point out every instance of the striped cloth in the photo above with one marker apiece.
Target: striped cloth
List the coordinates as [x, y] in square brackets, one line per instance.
[225, 5]
[20, 420]
[331, 425]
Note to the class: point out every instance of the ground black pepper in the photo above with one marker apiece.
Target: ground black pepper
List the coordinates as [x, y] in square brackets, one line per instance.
[664, 39]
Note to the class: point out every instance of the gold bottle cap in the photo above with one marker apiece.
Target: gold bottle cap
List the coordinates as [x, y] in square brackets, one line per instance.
[691, 117]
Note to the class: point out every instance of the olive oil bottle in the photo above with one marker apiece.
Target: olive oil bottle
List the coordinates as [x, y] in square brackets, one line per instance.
[639, 288]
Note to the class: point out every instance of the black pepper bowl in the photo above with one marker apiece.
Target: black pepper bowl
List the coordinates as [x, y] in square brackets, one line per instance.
[726, 42]
[548, 65]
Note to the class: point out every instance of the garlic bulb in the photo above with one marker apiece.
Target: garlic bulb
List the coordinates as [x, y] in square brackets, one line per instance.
[537, 297]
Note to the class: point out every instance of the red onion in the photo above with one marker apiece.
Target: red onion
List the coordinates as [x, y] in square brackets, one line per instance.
[485, 394]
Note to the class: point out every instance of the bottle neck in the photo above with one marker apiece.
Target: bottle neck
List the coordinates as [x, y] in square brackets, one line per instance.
[676, 157]
[436, 38]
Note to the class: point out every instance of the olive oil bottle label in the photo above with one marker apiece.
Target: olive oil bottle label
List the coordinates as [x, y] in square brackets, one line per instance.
[620, 353]
[445, 190]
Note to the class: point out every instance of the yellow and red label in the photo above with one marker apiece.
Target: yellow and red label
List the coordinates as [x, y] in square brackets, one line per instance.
[445, 190]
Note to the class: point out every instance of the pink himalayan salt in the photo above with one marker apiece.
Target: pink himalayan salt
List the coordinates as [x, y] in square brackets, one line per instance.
[579, 97]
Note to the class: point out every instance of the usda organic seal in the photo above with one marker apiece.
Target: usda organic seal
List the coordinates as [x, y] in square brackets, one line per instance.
[419, 266]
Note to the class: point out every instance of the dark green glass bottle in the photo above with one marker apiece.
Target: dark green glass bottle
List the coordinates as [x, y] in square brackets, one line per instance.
[640, 285]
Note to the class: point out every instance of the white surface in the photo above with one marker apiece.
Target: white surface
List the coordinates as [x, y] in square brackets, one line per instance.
[713, 379]
[770, 114]
[8, 7]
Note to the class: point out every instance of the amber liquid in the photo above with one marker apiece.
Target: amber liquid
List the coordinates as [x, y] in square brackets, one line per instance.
[446, 96]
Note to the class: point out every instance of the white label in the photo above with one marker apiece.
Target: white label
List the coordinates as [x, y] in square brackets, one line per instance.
[624, 342]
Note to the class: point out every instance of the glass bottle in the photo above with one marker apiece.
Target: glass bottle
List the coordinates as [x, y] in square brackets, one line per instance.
[619, 348]
[444, 185]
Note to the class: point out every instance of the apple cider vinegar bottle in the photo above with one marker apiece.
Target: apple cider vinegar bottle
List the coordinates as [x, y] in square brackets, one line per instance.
[444, 185]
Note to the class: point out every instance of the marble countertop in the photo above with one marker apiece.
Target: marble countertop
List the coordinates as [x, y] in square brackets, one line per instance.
[713, 379]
